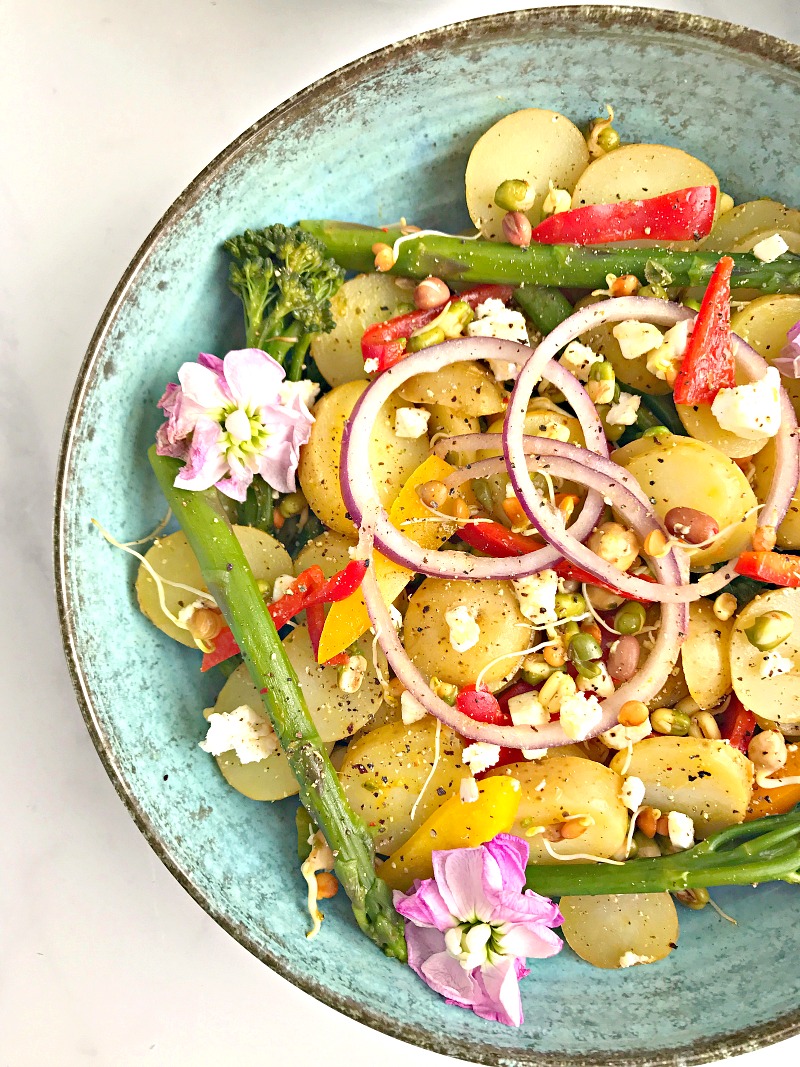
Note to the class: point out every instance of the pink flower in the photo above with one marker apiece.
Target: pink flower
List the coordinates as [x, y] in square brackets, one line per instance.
[472, 926]
[233, 418]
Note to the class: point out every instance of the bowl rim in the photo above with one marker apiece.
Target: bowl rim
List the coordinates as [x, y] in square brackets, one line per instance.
[738, 38]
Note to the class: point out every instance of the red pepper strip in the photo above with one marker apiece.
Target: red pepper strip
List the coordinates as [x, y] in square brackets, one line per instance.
[685, 215]
[737, 724]
[315, 620]
[307, 590]
[774, 568]
[496, 540]
[708, 364]
[386, 341]
[481, 706]
[339, 660]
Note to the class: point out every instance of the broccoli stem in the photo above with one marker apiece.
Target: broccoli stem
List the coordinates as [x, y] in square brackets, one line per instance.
[230, 581]
[457, 260]
[544, 305]
[764, 850]
[295, 371]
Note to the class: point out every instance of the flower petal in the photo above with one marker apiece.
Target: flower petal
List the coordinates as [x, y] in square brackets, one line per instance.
[253, 377]
[206, 359]
[499, 998]
[526, 907]
[205, 463]
[510, 853]
[204, 390]
[166, 446]
[236, 484]
[531, 941]
[459, 874]
[422, 943]
[445, 975]
[425, 906]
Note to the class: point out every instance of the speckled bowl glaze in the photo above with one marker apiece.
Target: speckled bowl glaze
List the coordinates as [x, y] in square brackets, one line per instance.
[388, 136]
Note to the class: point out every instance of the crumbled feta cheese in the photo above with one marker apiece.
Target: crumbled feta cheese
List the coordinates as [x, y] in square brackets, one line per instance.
[624, 412]
[578, 359]
[556, 201]
[664, 362]
[681, 829]
[770, 249]
[304, 390]
[464, 629]
[526, 710]
[752, 411]
[411, 422]
[282, 585]
[351, 675]
[494, 319]
[468, 791]
[537, 597]
[395, 616]
[242, 731]
[534, 753]
[636, 338]
[619, 737]
[480, 756]
[774, 664]
[411, 710]
[371, 365]
[630, 959]
[579, 715]
[632, 792]
[602, 683]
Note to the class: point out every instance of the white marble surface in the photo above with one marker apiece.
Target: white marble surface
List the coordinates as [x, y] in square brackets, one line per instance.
[108, 110]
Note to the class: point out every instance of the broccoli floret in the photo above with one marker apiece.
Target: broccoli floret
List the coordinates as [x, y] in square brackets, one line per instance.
[285, 282]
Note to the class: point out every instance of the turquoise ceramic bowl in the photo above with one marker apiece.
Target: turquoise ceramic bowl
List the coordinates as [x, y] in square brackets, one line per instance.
[389, 136]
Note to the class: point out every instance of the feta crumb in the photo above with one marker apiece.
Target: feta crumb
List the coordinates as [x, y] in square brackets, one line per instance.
[774, 664]
[468, 791]
[494, 319]
[636, 338]
[282, 585]
[526, 710]
[537, 597]
[463, 625]
[752, 411]
[579, 715]
[578, 359]
[534, 753]
[395, 616]
[371, 365]
[664, 362]
[602, 683]
[480, 756]
[351, 675]
[411, 422]
[681, 829]
[630, 959]
[242, 731]
[411, 710]
[632, 792]
[624, 412]
[619, 737]
[306, 391]
[770, 249]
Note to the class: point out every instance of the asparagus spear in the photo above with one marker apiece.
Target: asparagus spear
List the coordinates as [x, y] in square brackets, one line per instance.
[231, 583]
[463, 261]
[545, 306]
[764, 850]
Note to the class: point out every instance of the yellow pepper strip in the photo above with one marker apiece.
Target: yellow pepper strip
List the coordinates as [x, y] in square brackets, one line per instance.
[454, 825]
[777, 800]
[348, 619]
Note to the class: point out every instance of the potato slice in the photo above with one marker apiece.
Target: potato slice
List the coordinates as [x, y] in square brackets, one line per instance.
[535, 145]
[362, 301]
[629, 371]
[681, 472]
[385, 770]
[172, 559]
[776, 698]
[572, 785]
[789, 529]
[618, 931]
[764, 323]
[392, 458]
[747, 224]
[269, 779]
[706, 655]
[466, 388]
[707, 780]
[330, 552]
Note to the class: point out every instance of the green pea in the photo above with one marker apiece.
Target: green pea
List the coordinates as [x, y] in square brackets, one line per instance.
[630, 618]
[425, 339]
[693, 304]
[582, 651]
[445, 690]
[569, 604]
[770, 630]
[535, 672]
[514, 194]
[657, 431]
[483, 493]
[656, 290]
[696, 899]
[608, 139]
[292, 504]
[671, 722]
[602, 372]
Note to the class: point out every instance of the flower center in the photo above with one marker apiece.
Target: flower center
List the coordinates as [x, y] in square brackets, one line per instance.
[244, 438]
[473, 943]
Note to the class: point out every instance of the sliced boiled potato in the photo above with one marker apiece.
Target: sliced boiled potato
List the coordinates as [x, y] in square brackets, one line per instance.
[330, 552]
[789, 529]
[362, 301]
[467, 388]
[620, 931]
[270, 778]
[172, 559]
[632, 372]
[384, 772]
[739, 229]
[776, 698]
[764, 323]
[392, 458]
[451, 423]
[504, 632]
[705, 655]
[640, 172]
[707, 780]
[535, 145]
[561, 786]
[681, 472]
